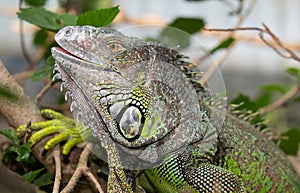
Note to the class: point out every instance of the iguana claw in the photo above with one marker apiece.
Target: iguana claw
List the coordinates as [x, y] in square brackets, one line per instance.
[58, 123]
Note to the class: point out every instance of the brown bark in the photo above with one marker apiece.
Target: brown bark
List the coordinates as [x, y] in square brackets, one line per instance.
[22, 110]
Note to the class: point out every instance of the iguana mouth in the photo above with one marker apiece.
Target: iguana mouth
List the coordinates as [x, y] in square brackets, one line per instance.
[67, 53]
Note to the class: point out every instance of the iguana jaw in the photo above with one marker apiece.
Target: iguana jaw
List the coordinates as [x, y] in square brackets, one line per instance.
[66, 53]
[82, 104]
[66, 59]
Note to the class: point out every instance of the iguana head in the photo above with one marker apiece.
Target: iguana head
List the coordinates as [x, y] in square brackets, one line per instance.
[129, 91]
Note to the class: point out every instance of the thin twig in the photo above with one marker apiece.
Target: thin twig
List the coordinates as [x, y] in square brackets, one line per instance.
[249, 39]
[279, 44]
[281, 101]
[225, 55]
[73, 181]
[221, 60]
[82, 168]
[57, 161]
[275, 45]
[87, 172]
[42, 92]
[234, 29]
[22, 75]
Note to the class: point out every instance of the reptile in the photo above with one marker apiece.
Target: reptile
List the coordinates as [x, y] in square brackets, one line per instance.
[141, 103]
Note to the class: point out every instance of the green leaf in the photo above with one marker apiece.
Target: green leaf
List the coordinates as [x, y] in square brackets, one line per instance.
[294, 72]
[44, 180]
[297, 99]
[30, 176]
[291, 145]
[11, 134]
[5, 93]
[263, 99]
[24, 152]
[174, 38]
[244, 102]
[223, 45]
[41, 17]
[45, 19]
[98, 18]
[43, 72]
[188, 25]
[40, 37]
[178, 32]
[68, 19]
[273, 87]
[35, 2]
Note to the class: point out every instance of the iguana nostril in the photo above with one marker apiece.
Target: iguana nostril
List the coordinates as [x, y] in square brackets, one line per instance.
[69, 32]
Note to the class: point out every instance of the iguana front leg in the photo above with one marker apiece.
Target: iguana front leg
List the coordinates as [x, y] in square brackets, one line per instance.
[118, 179]
[191, 172]
[57, 123]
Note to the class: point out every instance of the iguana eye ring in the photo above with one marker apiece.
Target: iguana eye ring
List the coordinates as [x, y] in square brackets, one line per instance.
[115, 47]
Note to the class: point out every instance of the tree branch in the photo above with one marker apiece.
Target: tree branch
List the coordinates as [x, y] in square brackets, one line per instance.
[281, 101]
[276, 44]
[21, 111]
[82, 168]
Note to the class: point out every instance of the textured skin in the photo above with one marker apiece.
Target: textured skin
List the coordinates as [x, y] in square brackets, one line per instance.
[143, 103]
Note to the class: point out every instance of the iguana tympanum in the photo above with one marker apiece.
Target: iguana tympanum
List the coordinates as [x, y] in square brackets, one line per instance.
[145, 108]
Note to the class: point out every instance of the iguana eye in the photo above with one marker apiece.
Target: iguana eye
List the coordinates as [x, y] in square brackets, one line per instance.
[115, 47]
[131, 123]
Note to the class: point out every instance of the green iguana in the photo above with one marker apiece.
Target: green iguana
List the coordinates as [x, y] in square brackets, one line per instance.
[157, 124]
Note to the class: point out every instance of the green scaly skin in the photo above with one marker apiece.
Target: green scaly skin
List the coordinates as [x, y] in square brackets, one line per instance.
[136, 95]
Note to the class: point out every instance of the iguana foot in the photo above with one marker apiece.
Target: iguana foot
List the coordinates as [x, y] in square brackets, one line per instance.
[57, 123]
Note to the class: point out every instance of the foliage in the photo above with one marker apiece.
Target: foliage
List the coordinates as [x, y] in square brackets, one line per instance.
[21, 153]
[291, 146]
[44, 71]
[22, 150]
[30, 176]
[35, 2]
[44, 179]
[179, 31]
[38, 178]
[46, 19]
[52, 21]
[223, 45]
[98, 18]
[295, 72]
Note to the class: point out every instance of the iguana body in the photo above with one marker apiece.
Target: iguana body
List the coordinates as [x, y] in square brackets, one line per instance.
[143, 102]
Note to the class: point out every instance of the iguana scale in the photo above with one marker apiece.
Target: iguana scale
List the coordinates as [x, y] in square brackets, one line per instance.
[144, 105]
